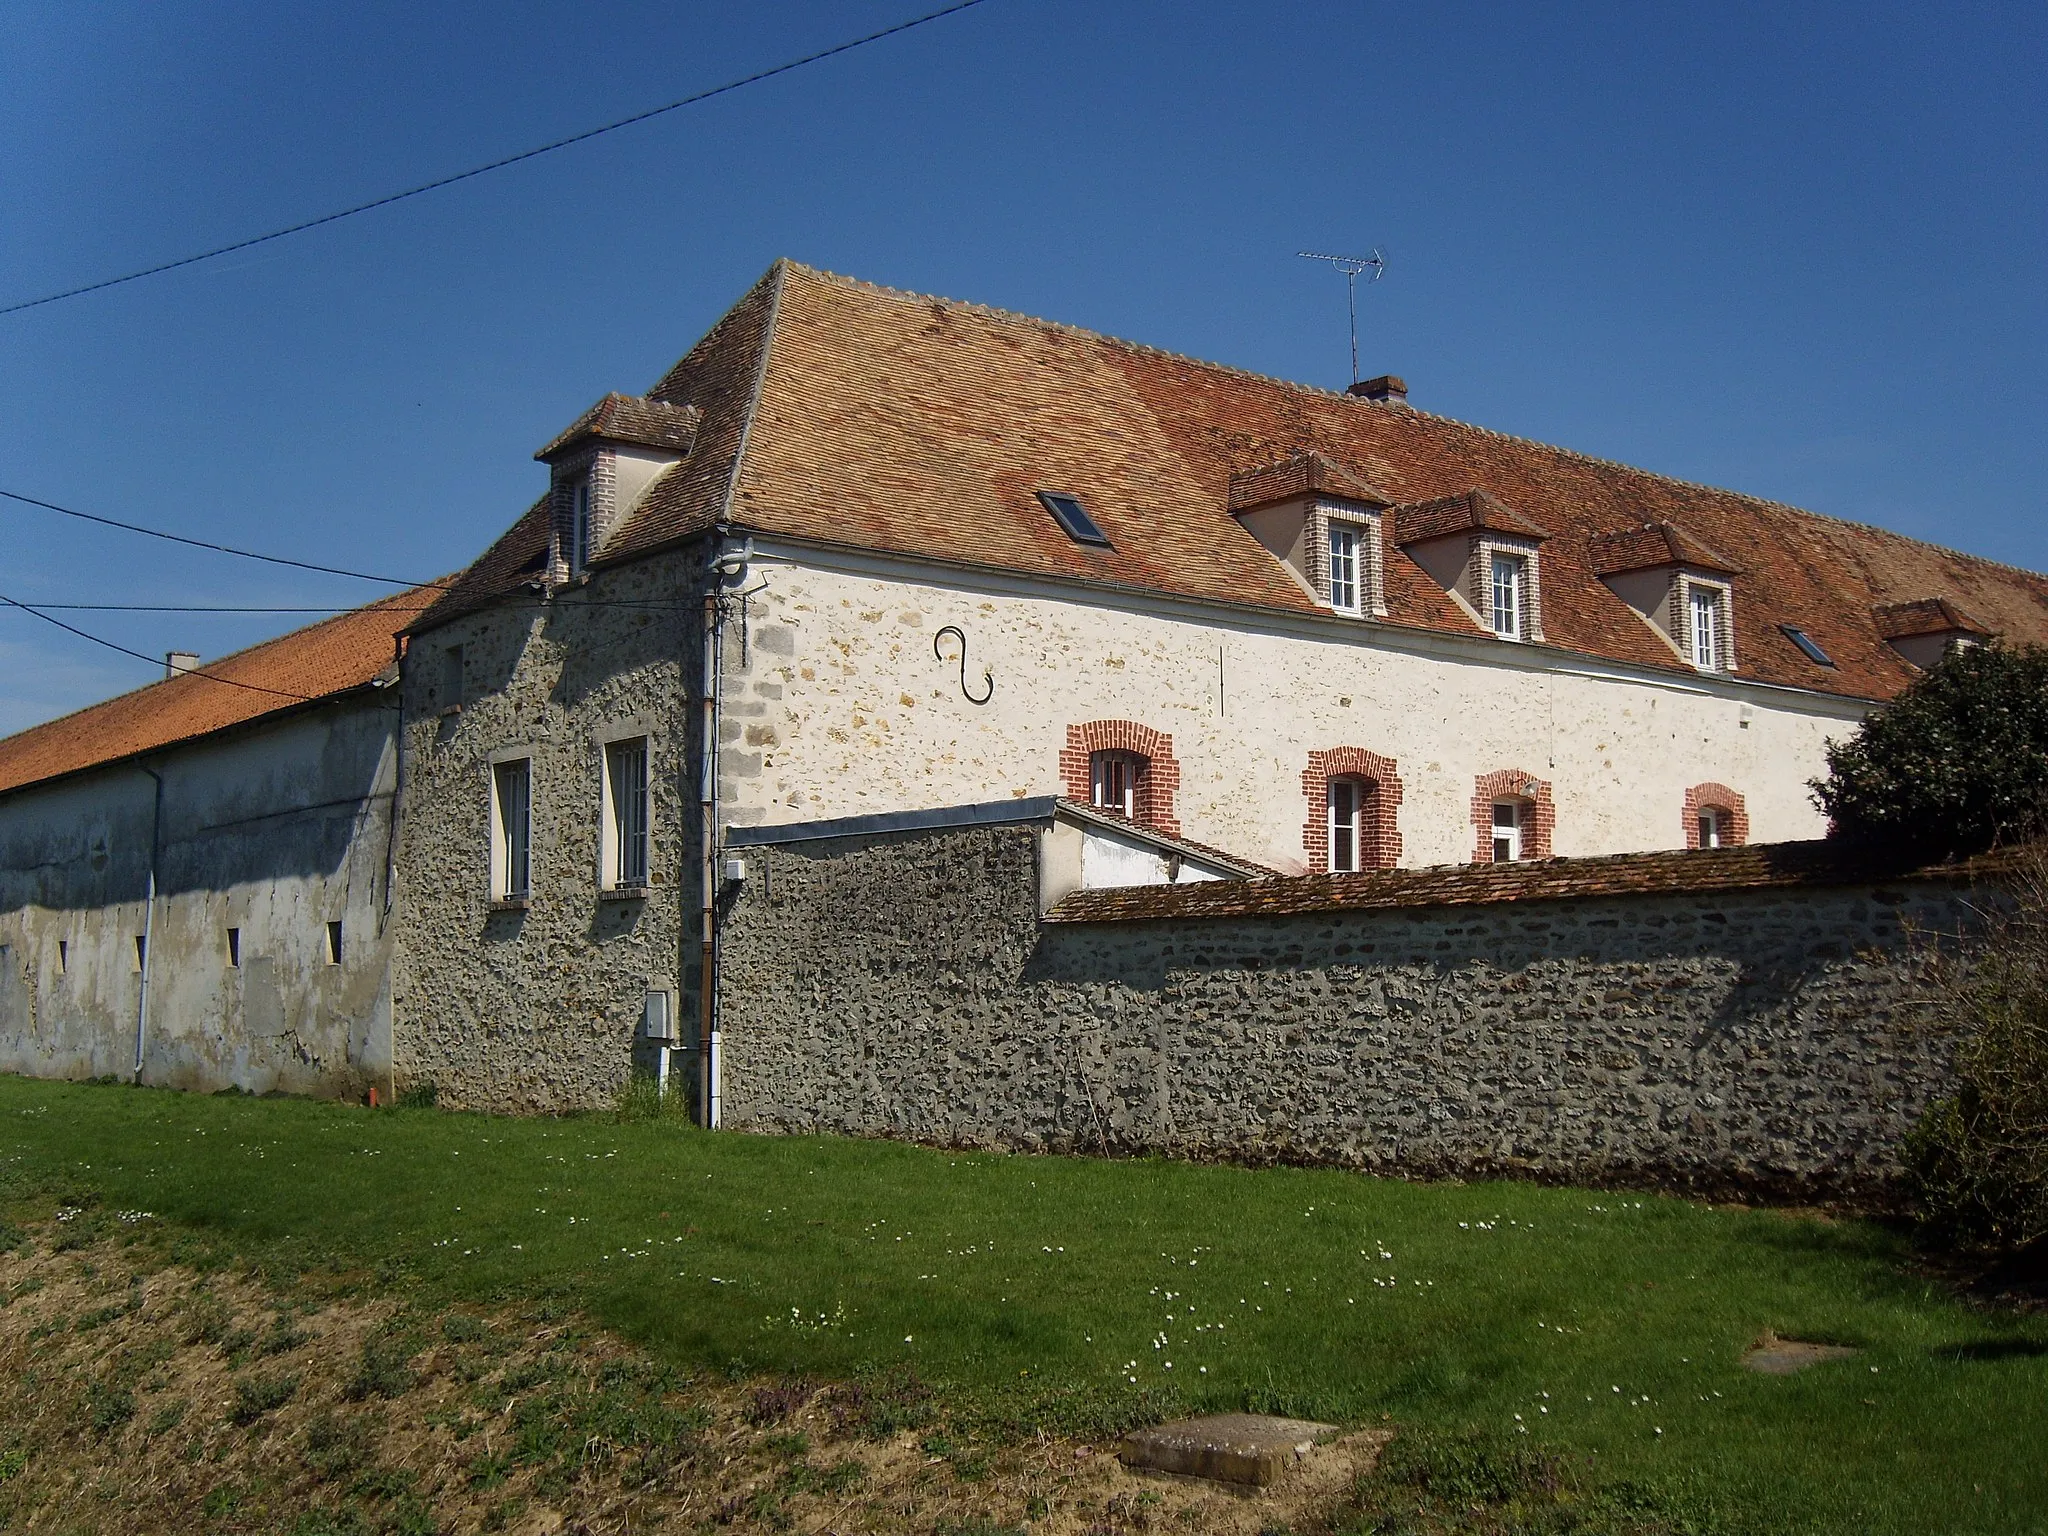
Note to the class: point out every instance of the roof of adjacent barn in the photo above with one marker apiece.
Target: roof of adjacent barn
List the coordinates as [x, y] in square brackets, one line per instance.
[841, 413]
[306, 666]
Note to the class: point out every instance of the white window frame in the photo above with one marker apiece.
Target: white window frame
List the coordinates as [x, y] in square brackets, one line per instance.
[1515, 568]
[1102, 769]
[506, 848]
[1344, 800]
[1508, 835]
[1706, 626]
[1349, 573]
[1713, 827]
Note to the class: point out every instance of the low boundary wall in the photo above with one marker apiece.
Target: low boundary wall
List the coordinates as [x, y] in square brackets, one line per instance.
[1733, 1019]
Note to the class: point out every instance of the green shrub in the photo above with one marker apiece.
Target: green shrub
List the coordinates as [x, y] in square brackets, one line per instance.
[1954, 765]
[1978, 1160]
[419, 1095]
[640, 1098]
[257, 1395]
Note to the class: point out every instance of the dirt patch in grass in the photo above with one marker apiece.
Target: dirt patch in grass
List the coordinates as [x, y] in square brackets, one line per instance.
[136, 1393]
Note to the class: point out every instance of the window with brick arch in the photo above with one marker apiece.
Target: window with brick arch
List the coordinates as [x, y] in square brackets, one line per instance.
[1114, 778]
[1352, 799]
[1508, 816]
[1513, 817]
[1715, 817]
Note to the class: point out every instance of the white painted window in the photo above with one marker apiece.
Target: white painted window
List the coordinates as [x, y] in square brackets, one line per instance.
[1509, 574]
[512, 830]
[579, 527]
[1705, 606]
[1345, 575]
[1114, 782]
[1713, 829]
[1347, 826]
[625, 777]
[1507, 831]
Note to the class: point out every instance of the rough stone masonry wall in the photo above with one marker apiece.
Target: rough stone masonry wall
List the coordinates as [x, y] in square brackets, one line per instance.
[538, 1008]
[1754, 1040]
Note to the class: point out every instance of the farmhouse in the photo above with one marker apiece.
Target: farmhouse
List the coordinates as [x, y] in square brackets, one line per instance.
[877, 577]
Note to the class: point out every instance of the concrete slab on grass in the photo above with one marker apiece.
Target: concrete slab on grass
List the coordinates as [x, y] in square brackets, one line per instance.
[1248, 1448]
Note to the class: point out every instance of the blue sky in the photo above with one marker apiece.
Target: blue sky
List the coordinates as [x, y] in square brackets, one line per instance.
[1796, 250]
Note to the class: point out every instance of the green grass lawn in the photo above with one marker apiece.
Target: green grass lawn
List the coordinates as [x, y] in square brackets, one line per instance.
[1083, 1292]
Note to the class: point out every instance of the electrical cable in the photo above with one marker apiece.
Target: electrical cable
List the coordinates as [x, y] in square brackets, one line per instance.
[283, 693]
[222, 549]
[495, 165]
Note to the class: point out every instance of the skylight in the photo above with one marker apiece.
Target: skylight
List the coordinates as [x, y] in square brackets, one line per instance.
[1068, 512]
[1808, 644]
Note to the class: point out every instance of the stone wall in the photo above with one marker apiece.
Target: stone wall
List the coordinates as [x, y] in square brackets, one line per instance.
[537, 1008]
[1740, 1038]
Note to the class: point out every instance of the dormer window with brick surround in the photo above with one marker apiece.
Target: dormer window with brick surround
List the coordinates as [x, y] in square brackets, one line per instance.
[1323, 524]
[1678, 585]
[1485, 555]
[604, 467]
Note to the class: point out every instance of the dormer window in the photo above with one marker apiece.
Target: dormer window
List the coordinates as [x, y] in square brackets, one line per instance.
[1929, 628]
[605, 465]
[1323, 524]
[1510, 574]
[1682, 589]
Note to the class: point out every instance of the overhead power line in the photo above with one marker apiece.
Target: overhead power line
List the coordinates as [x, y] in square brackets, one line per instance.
[495, 165]
[154, 661]
[222, 549]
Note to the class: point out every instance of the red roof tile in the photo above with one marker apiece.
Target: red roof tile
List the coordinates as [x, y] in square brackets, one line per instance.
[1467, 512]
[1927, 616]
[1760, 866]
[318, 662]
[850, 415]
[1654, 545]
[631, 419]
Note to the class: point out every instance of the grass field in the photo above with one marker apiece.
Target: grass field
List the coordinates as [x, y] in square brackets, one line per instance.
[1083, 1295]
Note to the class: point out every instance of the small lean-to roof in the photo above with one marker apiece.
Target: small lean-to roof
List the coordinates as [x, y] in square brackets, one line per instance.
[318, 662]
[844, 414]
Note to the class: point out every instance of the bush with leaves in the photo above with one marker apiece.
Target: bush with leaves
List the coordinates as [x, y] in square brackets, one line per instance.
[1955, 764]
[1978, 1160]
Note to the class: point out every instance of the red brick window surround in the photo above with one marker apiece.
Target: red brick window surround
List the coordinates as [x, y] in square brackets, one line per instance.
[1537, 818]
[1158, 775]
[1379, 839]
[1730, 814]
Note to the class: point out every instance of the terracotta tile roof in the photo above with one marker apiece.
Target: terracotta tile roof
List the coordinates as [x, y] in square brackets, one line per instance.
[1761, 866]
[631, 419]
[841, 413]
[1653, 545]
[318, 662]
[1927, 616]
[1467, 512]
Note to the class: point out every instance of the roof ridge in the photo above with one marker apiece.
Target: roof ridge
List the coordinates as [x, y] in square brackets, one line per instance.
[1399, 411]
[778, 277]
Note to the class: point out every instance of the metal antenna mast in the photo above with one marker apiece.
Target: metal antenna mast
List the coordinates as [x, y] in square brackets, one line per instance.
[1351, 266]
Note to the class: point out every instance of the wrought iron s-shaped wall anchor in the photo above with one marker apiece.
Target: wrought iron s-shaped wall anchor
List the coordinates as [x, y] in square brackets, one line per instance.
[986, 676]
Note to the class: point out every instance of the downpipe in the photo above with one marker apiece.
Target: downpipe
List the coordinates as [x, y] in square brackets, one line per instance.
[156, 823]
[729, 567]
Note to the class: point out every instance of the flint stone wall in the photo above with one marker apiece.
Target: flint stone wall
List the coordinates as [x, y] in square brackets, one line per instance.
[1763, 1040]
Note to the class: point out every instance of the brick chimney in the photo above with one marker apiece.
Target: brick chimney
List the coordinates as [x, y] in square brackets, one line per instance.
[179, 661]
[1385, 390]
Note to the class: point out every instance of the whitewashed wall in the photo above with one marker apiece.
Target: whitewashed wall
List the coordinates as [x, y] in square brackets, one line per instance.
[836, 706]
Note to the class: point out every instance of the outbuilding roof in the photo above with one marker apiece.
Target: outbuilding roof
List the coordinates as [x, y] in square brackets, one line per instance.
[306, 666]
[844, 414]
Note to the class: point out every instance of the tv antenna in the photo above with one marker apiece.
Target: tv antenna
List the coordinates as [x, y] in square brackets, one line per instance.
[1351, 267]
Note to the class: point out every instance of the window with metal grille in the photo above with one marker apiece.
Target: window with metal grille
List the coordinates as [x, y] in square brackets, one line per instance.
[1508, 575]
[1344, 572]
[1347, 826]
[1507, 831]
[512, 823]
[1706, 628]
[1113, 778]
[626, 775]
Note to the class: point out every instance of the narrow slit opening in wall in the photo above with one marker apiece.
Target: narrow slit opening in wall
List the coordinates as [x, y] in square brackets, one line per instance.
[141, 952]
[63, 956]
[334, 943]
[234, 946]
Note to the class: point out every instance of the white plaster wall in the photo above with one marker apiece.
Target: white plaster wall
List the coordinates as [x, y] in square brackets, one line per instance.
[1107, 860]
[277, 831]
[859, 716]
